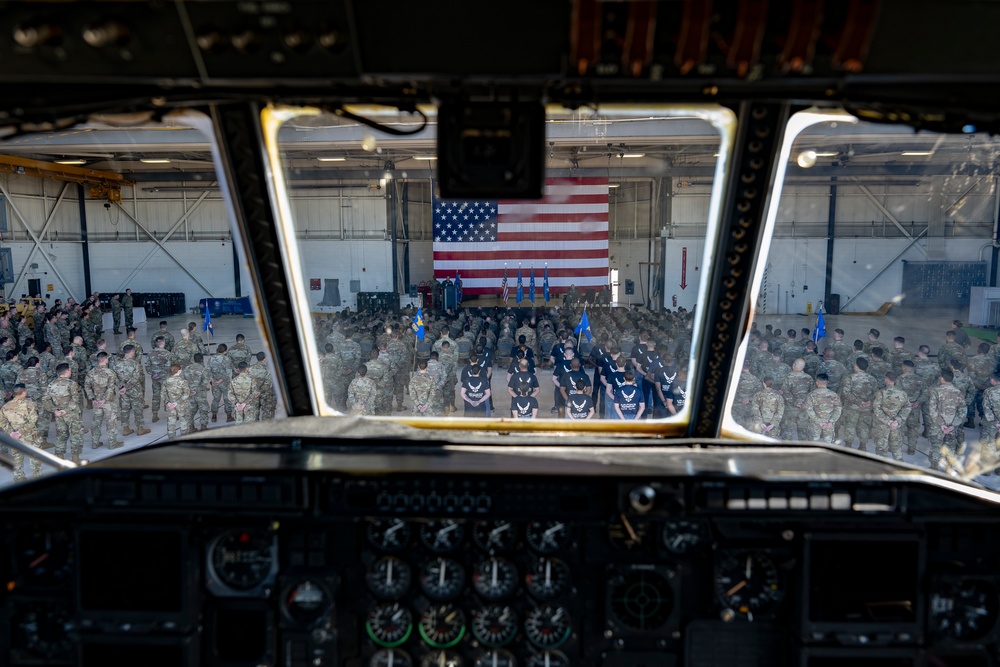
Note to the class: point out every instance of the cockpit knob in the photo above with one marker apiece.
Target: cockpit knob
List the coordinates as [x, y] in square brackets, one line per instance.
[642, 498]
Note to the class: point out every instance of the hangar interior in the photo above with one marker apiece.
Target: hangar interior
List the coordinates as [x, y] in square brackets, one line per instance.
[860, 202]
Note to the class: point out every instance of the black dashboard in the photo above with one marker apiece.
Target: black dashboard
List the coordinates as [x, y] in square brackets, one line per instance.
[314, 556]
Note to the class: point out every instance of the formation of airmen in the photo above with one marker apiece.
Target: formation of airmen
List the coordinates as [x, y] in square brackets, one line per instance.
[61, 367]
[853, 393]
[631, 368]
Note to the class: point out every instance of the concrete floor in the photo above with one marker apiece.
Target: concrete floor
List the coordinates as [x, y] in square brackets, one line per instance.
[918, 327]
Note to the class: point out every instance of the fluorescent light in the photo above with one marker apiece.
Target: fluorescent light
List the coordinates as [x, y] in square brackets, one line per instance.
[917, 153]
[424, 157]
[634, 155]
[331, 159]
[71, 162]
[827, 154]
[614, 185]
[154, 161]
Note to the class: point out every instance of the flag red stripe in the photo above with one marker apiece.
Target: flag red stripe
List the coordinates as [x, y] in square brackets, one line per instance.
[566, 199]
[553, 273]
[561, 218]
[553, 236]
[520, 255]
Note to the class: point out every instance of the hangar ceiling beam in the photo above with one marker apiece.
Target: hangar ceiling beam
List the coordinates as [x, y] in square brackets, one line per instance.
[874, 200]
[35, 237]
[103, 184]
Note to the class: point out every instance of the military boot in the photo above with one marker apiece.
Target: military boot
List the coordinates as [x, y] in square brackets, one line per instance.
[116, 445]
[98, 444]
[230, 418]
[215, 417]
[156, 417]
[127, 431]
[143, 431]
[75, 457]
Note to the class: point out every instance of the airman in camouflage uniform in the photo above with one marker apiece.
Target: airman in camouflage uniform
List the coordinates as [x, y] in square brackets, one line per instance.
[240, 352]
[362, 393]
[874, 343]
[265, 387]
[116, 313]
[760, 359]
[950, 351]
[820, 413]
[185, 349]
[132, 391]
[176, 399]
[794, 389]
[991, 423]
[51, 332]
[890, 409]
[35, 382]
[130, 339]
[436, 370]
[447, 358]
[980, 369]
[929, 371]
[379, 372]
[964, 384]
[18, 418]
[8, 375]
[947, 415]
[398, 361]
[194, 336]
[220, 372]
[129, 315]
[422, 390]
[747, 387]
[163, 332]
[329, 368]
[915, 389]
[833, 369]
[101, 388]
[767, 408]
[243, 395]
[857, 392]
[158, 366]
[899, 354]
[63, 399]
[878, 366]
[778, 369]
[48, 362]
[199, 381]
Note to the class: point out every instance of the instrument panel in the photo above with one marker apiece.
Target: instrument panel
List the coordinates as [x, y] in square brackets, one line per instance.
[113, 568]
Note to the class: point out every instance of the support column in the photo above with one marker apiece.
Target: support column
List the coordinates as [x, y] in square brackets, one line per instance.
[391, 210]
[86, 243]
[995, 251]
[830, 234]
[405, 203]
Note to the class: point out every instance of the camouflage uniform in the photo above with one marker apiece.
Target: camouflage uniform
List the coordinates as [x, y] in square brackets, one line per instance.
[127, 308]
[813, 362]
[116, 314]
[980, 369]
[950, 351]
[64, 395]
[243, 392]
[778, 370]
[330, 367]
[820, 414]
[35, 381]
[929, 371]
[378, 371]
[963, 383]
[794, 389]
[746, 389]
[897, 356]
[890, 405]
[362, 396]
[47, 361]
[914, 388]
[133, 380]
[946, 405]
[265, 387]
[990, 425]
[398, 361]
[134, 343]
[447, 360]
[220, 373]
[177, 392]
[168, 340]
[18, 418]
[767, 408]
[8, 377]
[857, 392]
[436, 371]
[184, 352]
[422, 393]
[158, 366]
[878, 369]
[197, 377]
[239, 353]
[101, 388]
[835, 371]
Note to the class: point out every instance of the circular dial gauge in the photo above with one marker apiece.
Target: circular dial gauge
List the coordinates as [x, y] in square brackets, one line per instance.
[964, 610]
[496, 658]
[442, 659]
[389, 535]
[747, 582]
[390, 657]
[547, 537]
[629, 535]
[548, 578]
[681, 536]
[642, 600]
[494, 625]
[495, 536]
[44, 631]
[548, 626]
[389, 624]
[495, 579]
[442, 626]
[307, 602]
[243, 559]
[442, 536]
[548, 659]
[44, 556]
[442, 579]
[388, 578]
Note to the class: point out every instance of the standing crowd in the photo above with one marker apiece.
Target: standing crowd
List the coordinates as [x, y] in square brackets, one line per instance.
[58, 366]
[868, 391]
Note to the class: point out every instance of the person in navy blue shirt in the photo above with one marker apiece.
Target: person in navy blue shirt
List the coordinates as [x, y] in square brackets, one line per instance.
[664, 374]
[512, 368]
[523, 406]
[629, 403]
[566, 380]
[615, 380]
[522, 376]
[677, 397]
[476, 394]
[580, 405]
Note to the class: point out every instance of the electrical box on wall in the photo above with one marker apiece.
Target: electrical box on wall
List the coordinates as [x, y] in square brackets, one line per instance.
[355, 286]
[6, 265]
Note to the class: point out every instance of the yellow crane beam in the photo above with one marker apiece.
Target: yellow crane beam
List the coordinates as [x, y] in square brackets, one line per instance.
[103, 184]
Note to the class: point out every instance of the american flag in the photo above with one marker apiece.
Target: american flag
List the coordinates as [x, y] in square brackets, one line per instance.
[503, 285]
[568, 229]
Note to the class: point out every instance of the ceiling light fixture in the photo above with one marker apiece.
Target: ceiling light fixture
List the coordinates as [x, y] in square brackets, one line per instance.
[71, 162]
[633, 155]
[331, 159]
[827, 154]
[614, 185]
[425, 157]
[147, 160]
[916, 153]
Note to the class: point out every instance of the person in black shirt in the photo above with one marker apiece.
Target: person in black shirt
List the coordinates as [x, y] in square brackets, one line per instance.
[476, 394]
[524, 406]
[558, 398]
[513, 367]
[522, 376]
[580, 405]
[615, 380]
[629, 402]
[677, 396]
[664, 374]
